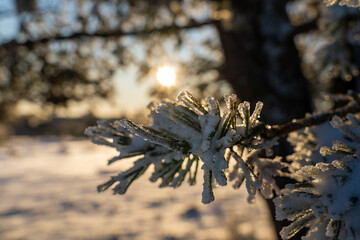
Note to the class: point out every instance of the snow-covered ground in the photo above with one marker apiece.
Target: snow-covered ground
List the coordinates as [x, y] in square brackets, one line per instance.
[48, 191]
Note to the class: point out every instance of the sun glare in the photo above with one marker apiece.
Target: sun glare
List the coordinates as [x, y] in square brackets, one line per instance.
[166, 76]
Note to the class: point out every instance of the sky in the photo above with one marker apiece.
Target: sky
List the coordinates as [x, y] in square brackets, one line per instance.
[9, 26]
[129, 91]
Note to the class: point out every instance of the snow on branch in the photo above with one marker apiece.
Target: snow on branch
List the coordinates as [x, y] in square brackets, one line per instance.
[231, 145]
[327, 201]
[184, 133]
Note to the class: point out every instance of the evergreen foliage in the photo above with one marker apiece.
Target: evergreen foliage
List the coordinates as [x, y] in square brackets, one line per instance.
[233, 145]
[327, 201]
[184, 133]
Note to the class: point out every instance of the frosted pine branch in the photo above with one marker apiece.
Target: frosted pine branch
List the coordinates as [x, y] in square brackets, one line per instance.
[184, 133]
[327, 201]
[231, 144]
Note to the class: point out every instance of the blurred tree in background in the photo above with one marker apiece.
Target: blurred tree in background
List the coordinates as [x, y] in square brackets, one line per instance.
[281, 52]
[65, 52]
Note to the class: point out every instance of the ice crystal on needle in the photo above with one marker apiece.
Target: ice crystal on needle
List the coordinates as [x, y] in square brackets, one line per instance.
[185, 133]
[328, 201]
[305, 149]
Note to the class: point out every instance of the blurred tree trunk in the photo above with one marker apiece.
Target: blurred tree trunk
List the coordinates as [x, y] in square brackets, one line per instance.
[262, 63]
[261, 60]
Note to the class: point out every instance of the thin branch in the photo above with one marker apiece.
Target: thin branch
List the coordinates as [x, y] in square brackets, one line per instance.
[304, 28]
[115, 33]
[270, 132]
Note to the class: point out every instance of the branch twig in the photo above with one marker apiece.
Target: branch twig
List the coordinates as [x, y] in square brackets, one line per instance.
[115, 33]
[270, 132]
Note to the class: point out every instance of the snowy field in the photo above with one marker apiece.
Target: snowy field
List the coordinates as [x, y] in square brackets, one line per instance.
[48, 191]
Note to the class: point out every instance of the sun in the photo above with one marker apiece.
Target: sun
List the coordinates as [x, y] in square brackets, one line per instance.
[166, 76]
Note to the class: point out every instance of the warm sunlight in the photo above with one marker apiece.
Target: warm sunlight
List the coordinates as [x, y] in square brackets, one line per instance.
[166, 76]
